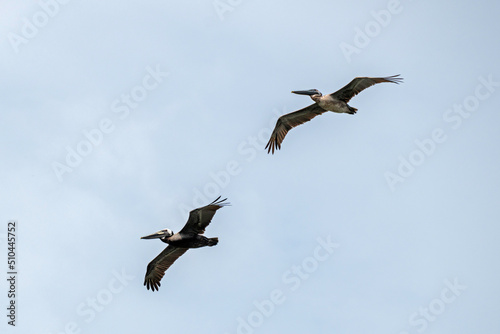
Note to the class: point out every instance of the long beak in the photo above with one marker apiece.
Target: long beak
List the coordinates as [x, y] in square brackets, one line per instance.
[305, 92]
[156, 235]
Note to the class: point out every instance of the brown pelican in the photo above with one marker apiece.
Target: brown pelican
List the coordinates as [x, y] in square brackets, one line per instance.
[336, 102]
[189, 237]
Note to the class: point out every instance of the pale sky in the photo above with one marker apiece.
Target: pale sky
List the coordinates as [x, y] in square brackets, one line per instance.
[120, 117]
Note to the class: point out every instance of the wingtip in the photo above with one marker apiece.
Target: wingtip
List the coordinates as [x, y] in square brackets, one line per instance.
[220, 202]
[271, 147]
[397, 79]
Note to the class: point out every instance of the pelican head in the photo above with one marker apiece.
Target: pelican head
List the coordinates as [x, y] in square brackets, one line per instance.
[160, 234]
[310, 92]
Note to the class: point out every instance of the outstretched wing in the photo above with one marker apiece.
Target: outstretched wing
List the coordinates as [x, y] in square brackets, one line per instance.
[358, 84]
[289, 121]
[201, 217]
[157, 267]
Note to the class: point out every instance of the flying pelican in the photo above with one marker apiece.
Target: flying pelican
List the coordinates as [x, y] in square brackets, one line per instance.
[336, 102]
[189, 237]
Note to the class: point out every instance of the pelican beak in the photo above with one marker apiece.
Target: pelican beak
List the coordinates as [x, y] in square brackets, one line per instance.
[305, 92]
[156, 235]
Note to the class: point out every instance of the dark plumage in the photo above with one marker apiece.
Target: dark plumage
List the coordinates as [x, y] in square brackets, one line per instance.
[336, 102]
[189, 237]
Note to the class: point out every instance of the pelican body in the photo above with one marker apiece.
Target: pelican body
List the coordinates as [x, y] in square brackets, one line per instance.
[184, 240]
[336, 102]
[328, 102]
[178, 243]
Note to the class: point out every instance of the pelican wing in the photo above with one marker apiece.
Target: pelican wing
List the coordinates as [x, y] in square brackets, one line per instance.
[289, 121]
[157, 267]
[200, 218]
[358, 84]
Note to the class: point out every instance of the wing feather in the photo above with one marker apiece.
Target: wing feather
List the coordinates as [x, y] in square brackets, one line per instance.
[156, 268]
[358, 84]
[286, 122]
[200, 218]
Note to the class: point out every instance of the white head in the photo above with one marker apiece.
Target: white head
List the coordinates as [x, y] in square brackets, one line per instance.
[310, 92]
[160, 234]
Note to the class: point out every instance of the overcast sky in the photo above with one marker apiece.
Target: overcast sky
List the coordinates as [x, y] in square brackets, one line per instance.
[120, 117]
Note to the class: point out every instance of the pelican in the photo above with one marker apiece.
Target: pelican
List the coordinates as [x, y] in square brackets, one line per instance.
[189, 237]
[336, 102]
